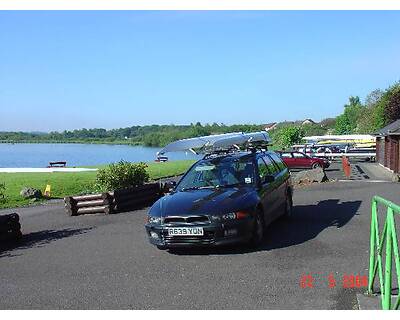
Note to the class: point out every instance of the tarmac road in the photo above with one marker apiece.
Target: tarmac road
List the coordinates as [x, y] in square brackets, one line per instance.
[105, 262]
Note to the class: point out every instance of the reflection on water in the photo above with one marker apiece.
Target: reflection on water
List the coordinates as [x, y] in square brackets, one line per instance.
[38, 155]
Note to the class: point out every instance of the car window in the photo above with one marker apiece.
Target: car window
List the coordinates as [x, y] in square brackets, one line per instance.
[278, 161]
[298, 155]
[262, 169]
[286, 155]
[272, 168]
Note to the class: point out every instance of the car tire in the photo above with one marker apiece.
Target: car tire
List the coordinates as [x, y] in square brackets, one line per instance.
[18, 235]
[258, 231]
[288, 206]
[316, 165]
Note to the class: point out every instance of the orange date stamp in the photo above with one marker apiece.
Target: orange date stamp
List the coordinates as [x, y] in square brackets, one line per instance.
[347, 281]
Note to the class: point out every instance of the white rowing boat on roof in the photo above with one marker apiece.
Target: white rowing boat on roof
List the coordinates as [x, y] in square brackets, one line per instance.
[217, 142]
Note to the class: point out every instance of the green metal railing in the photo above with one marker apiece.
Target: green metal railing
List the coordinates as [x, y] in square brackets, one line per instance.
[389, 239]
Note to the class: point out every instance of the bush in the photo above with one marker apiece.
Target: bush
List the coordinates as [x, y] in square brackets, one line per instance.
[2, 192]
[288, 135]
[122, 175]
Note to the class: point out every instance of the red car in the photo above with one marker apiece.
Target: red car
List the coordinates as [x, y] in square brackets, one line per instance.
[299, 160]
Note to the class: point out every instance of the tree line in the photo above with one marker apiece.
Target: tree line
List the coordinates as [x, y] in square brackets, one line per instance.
[152, 135]
[380, 108]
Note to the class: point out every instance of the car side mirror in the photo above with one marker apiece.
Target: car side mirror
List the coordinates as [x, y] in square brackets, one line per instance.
[170, 186]
[269, 179]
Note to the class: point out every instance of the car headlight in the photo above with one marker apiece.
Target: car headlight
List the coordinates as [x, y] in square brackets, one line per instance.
[215, 218]
[229, 216]
[154, 220]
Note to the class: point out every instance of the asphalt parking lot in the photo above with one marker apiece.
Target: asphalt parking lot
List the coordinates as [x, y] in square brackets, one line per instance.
[105, 262]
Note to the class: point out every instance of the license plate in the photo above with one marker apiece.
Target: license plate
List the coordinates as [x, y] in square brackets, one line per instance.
[185, 231]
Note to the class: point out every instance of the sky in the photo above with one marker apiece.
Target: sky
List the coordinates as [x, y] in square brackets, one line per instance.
[64, 70]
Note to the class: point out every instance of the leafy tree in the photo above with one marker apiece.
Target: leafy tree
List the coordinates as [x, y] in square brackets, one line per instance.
[346, 123]
[328, 123]
[289, 135]
[370, 119]
[313, 129]
[343, 125]
[373, 98]
[392, 109]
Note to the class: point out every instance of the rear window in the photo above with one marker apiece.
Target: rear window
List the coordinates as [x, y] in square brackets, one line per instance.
[286, 155]
[278, 161]
[262, 169]
[272, 168]
[299, 155]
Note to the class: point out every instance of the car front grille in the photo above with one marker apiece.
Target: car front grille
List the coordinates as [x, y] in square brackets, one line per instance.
[183, 221]
[187, 220]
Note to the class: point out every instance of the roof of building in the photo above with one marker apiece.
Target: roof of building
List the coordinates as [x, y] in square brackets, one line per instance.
[391, 129]
[308, 120]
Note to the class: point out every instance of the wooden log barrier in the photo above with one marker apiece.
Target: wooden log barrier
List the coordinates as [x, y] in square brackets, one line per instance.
[136, 194]
[135, 202]
[113, 202]
[94, 203]
[91, 197]
[135, 198]
[10, 227]
[90, 210]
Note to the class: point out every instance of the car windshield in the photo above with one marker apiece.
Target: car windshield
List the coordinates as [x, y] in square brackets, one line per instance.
[219, 173]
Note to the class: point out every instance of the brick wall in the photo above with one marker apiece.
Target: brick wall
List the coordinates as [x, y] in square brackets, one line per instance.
[388, 152]
[380, 150]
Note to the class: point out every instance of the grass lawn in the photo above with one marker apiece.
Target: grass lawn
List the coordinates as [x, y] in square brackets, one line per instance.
[72, 183]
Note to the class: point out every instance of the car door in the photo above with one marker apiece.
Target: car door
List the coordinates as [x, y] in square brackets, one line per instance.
[302, 161]
[278, 186]
[283, 177]
[288, 159]
[266, 191]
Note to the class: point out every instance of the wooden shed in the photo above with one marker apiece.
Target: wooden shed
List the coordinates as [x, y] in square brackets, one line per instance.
[387, 147]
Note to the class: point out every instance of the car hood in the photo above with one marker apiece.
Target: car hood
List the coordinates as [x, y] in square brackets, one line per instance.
[205, 201]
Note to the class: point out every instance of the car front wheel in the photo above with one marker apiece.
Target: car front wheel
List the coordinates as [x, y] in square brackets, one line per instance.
[258, 230]
[316, 165]
[288, 206]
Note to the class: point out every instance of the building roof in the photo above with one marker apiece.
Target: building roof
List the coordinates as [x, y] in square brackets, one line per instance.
[306, 121]
[270, 126]
[391, 129]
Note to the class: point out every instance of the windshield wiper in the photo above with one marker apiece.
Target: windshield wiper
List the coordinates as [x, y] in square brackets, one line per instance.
[232, 185]
[189, 188]
[197, 188]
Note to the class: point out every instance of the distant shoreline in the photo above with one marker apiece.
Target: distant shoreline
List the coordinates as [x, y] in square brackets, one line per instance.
[134, 144]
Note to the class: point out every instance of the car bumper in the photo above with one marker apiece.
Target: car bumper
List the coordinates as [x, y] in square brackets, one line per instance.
[215, 234]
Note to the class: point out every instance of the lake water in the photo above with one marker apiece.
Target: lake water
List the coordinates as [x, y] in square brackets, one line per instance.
[38, 155]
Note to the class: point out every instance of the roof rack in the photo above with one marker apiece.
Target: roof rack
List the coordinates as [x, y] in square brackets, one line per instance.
[228, 142]
[220, 153]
